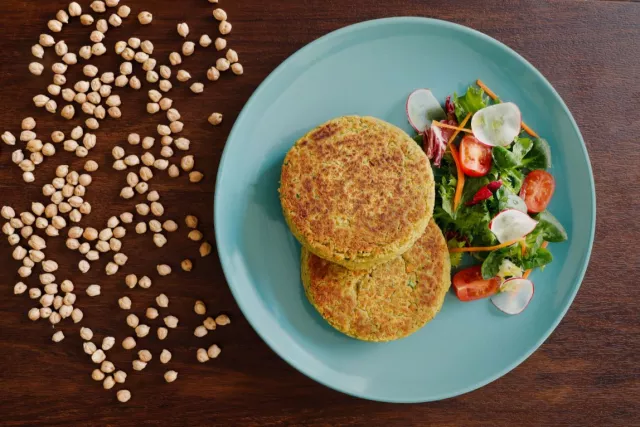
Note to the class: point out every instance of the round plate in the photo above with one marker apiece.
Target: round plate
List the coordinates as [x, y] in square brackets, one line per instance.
[369, 69]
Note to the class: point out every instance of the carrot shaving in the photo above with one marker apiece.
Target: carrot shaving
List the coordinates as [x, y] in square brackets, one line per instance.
[493, 96]
[487, 90]
[528, 272]
[456, 159]
[456, 128]
[530, 131]
[460, 183]
[486, 248]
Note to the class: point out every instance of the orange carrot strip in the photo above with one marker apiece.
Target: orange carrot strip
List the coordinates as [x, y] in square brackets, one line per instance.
[460, 183]
[456, 159]
[462, 124]
[487, 90]
[493, 96]
[528, 272]
[456, 128]
[486, 248]
[530, 131]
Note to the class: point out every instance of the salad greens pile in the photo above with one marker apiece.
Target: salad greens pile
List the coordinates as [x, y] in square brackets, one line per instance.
[469, 224]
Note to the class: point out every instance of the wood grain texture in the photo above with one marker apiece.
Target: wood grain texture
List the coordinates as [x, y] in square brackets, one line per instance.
[586, 374]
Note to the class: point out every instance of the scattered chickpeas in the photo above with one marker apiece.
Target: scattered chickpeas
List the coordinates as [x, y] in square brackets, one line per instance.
[125, 303]
[162, 333]
[36, 68]
[171, 322]
[202, 356]
[223, 320]
[123, 395]
[175, 58]
[93, 290]
[200, 331]
[120, 377]
[182, 76]
[145, 356]
[205, 40]
[195, 235]
[186, 265]
[183, 29]
[188, 48]
[145, 18]
[128, 343]
[108, 343]
[200, 308]
[142, 330]
[215, 119]
[108, 383]
[222, 64]
[237, 69]
[209, 323]
[163, 269]
[138, 365]
[224, 27]
[162, 300]
[214, 351]
[97, 375]
[132, 320]
[220, 43]
[165, 356]
[170, 376]
[205, 249]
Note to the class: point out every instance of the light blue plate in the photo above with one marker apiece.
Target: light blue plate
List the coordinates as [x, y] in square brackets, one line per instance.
[369, 69]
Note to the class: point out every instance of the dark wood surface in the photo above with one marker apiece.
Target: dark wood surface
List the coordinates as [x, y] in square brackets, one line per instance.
[587, 373]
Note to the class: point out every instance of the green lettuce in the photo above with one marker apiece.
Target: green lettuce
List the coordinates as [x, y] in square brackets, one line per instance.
[473, 100]
[549, 228]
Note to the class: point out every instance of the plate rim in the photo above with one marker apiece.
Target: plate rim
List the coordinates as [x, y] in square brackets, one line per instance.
[218, 208]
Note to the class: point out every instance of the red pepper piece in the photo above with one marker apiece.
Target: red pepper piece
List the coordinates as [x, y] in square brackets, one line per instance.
[484, 193]
[494, 185]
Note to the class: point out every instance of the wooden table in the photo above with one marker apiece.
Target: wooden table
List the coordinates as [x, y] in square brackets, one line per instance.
[585, 374]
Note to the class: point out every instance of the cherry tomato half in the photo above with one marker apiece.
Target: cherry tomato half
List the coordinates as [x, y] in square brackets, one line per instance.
[537, 190]
[469, 284]
[475, 156]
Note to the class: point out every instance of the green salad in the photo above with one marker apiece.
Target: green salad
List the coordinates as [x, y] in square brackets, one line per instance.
[492, 191]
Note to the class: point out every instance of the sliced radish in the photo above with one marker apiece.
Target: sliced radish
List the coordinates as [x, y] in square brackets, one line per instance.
[511, 224]
[497, 125]
[422, 108]
[514, 295]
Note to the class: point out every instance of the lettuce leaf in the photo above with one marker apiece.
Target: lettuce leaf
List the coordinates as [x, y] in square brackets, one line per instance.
[492, 263]
[456, 258]
[536, 259]
[539, 156]
[473, 100]
[549, 228]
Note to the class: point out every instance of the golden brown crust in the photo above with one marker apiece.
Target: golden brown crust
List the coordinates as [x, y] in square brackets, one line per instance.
[389, 302]
[357, 191]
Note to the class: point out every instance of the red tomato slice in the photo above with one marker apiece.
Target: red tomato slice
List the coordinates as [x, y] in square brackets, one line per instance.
[469, 284]
[475, 156]
[537, 190]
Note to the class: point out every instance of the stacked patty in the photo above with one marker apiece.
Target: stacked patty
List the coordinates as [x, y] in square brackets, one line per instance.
[358, 194]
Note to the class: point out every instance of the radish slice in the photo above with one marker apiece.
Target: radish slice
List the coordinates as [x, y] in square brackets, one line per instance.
[514, 295]
[511, 224]
[497, 125]
[422, 108]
